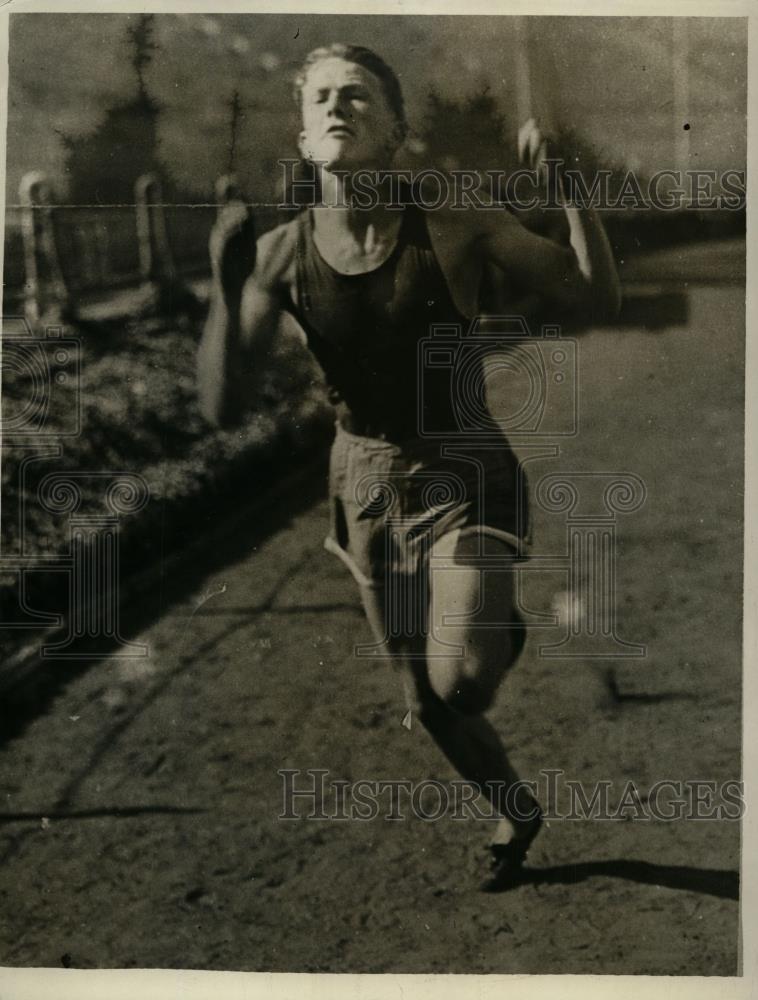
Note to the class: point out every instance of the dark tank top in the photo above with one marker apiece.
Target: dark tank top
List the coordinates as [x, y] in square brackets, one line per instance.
[370, 333]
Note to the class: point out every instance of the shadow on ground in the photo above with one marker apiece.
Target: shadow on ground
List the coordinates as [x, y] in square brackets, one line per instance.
[722, 883]
[228, 537]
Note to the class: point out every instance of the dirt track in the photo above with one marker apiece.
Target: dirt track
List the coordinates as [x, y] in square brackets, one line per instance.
[255, 673]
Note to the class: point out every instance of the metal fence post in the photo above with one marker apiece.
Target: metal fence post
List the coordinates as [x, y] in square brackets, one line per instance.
[227, 189]
[155, 259]
[46, 297]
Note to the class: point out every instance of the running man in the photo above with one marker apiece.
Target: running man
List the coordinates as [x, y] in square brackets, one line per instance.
[365, 286]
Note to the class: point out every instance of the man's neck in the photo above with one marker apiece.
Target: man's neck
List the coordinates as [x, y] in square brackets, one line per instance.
[337, 218]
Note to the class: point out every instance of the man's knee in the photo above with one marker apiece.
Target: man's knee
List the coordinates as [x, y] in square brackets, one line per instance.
[470, 682]
[463, 692]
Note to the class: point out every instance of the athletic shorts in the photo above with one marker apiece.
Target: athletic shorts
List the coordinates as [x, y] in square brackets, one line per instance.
[391, 502]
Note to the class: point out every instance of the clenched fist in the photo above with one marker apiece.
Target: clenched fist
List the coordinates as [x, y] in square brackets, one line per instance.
[232, 248]
[535, 147]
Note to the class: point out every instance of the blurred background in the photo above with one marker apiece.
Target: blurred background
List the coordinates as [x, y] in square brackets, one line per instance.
[96, 100]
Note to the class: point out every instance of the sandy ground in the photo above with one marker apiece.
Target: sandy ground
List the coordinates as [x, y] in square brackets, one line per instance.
[140, 812]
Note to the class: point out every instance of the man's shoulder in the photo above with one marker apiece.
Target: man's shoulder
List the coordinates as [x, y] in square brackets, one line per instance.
[464, 220]
[276, 253]
[280, 239]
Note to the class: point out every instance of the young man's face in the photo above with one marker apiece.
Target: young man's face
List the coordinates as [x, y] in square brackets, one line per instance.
[347, 122]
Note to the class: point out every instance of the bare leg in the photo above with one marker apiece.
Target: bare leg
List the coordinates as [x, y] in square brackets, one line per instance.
[473, 747]
[448, 693]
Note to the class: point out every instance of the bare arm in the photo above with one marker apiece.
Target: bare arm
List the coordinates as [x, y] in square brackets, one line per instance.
[580, 278]
[246, 298]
